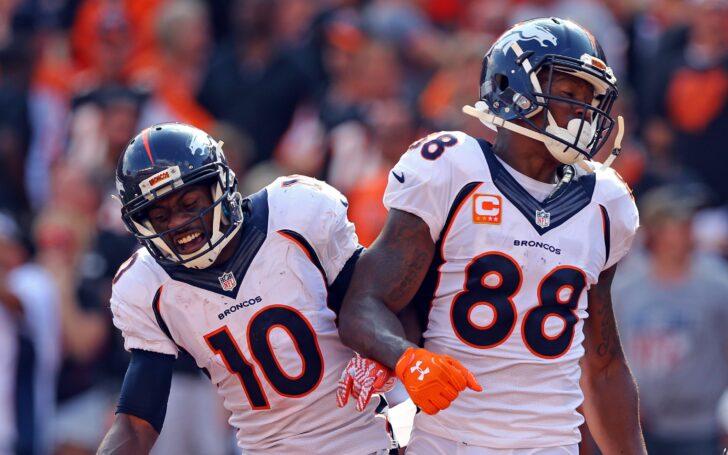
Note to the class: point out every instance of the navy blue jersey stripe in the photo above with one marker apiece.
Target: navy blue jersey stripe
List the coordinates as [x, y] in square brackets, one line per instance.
[158, 315]
[338, 288]
[310, 252]
[185, 362]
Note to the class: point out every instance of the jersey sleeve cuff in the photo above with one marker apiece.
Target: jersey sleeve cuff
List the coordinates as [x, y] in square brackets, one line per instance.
[151, 346]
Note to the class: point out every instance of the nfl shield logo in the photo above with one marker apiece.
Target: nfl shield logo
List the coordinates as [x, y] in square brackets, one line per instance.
[227, 281]
[543, 218]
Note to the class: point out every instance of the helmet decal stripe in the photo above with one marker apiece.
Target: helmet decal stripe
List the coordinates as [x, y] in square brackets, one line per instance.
[527, 66]
[145, 138]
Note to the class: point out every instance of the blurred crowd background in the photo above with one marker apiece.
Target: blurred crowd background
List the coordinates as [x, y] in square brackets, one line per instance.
[335, 89]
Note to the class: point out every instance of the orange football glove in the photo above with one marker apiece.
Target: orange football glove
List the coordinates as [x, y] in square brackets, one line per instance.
[361, 379]
[433, 380]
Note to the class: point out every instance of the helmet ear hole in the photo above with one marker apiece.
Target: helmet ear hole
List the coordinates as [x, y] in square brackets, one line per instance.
[501, 81]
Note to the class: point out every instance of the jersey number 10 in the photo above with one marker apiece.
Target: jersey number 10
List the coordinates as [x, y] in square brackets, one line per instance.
[222, 342]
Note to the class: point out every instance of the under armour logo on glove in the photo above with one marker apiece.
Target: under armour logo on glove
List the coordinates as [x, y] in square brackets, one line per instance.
[422, 372]
[435, 386]
[361, 379]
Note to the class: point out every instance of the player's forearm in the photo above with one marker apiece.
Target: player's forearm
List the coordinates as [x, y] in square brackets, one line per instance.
[128, 435]
[611, 409]
[386, 278]
[372, 330]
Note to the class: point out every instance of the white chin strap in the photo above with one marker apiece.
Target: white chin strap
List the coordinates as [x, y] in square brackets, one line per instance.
[562, 152]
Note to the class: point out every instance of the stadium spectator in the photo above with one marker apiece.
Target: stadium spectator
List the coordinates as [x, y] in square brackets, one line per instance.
[182, 32]
[30, 348]
[689, 92]
[672, 307]
[253, 82]
[391, 128]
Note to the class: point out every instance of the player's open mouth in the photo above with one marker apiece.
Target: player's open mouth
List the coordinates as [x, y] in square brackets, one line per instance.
[189, 242]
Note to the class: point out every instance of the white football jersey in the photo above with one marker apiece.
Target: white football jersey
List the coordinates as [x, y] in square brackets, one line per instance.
[261, 326]
[506, 294]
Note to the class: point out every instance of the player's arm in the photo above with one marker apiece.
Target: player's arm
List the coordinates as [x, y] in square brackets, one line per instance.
[610, 392]
[365, 375]
[142, 404]
[387, 277]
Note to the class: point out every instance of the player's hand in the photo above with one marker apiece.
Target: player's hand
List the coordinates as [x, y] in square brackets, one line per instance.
[361, 379]
[433, 380]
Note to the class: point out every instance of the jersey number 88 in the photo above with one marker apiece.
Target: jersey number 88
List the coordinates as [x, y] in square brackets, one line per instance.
[493, 279]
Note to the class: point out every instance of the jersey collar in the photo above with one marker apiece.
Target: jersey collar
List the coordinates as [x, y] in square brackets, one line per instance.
[553, 211]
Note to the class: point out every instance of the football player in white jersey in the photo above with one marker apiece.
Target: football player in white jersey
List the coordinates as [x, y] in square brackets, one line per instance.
[249, 287]
[509, 251]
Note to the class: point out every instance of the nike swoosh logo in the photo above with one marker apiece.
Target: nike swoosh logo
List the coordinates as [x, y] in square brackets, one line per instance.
[400, 178]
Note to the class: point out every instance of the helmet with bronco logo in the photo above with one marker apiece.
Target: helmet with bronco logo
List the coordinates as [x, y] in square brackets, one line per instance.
[510, 88]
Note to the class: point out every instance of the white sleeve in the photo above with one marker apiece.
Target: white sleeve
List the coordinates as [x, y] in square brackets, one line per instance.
[623, 224]
[423, 187]
[339, 242]
[318, 212]
[132, 297]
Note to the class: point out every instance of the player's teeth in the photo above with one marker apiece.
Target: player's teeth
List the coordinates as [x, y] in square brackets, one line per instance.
[188, 238]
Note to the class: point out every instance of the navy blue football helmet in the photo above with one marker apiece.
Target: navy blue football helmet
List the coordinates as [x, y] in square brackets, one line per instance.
[166, 158]
[510, 88]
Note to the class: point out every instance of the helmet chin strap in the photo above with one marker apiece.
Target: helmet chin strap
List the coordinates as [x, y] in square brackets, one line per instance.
[563, 153]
